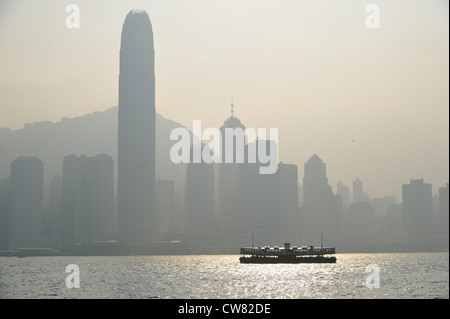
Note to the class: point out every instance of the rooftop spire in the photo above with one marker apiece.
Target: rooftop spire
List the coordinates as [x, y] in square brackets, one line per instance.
[232, 107]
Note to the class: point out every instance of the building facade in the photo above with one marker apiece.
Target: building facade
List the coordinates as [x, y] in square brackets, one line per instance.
[27, 199]
[136, 132]
[417, 210]
[87, 199]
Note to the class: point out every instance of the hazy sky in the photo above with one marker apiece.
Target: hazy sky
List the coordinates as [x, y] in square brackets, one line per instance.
[309, 68]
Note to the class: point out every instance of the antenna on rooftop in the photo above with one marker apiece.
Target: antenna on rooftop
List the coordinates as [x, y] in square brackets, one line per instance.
[232, 107]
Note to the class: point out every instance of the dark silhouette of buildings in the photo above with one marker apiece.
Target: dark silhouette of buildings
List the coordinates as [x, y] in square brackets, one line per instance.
[417, 210]
[199, 202]
[393, 228]
[443, 211]
[358, 195]
[87, 199]
[5, 198]
[322, 210]
[231, 199]
[380, 205]
[343, 191]
[136, 132]
[53, 212]
[267, 203]
[315, 181]
[166, 220]
[27, 200]
[229, 175]
[360, 231]
[288, 192]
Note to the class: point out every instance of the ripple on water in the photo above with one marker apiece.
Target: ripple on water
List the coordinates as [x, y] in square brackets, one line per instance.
[401, 276]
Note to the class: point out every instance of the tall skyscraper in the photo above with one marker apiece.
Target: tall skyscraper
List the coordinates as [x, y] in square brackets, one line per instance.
[229, 175]
[27, 199]
[358, 190]
[322, 210]
[315, 181]
[443, 210]
[417, 210]
[136, 140]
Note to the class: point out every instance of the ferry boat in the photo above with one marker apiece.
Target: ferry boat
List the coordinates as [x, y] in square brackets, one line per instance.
[287, 254]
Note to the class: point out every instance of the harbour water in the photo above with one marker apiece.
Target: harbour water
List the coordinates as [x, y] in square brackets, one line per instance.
[375, 275]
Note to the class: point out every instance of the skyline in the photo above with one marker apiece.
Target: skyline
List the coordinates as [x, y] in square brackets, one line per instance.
[100, 201]
[35, 139]
[81, 210]
[284, 68]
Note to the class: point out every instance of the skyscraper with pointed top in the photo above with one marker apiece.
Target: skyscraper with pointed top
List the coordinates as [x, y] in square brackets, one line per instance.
[229, 174]
[232, 123]
[322, 210]
[136, 131]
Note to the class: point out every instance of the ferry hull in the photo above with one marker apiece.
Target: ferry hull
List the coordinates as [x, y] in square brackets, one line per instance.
[287, 260]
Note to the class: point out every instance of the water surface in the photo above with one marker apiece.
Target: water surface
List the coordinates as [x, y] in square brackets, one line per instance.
[401, 275]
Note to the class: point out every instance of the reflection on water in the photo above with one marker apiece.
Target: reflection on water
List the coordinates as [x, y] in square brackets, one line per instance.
[405, 275]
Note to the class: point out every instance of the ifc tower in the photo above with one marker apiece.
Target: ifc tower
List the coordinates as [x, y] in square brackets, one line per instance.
[136, 131]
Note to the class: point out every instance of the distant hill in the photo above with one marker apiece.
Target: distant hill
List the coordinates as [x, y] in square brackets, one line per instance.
[90, 134]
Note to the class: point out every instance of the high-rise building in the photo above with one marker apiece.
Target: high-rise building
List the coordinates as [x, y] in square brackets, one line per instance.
[360, 225]
[322, 210]
[71, 199]
[136, 137]
[315, 181]
[417, 210]
[380, 205]
[27, 199]
[54, 208]
[358, 195]
[5, 190]
[87, 199]
[300, 195]
[229, 173]
[288, 195]
[104, 197]
[199, 194]
[343, 191]
[443, 210]
[287, 175]
[268, 203]
[394, 223]
[165, 206]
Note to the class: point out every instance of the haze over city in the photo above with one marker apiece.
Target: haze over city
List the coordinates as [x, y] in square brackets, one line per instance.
[178, 149]
[372, 103]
